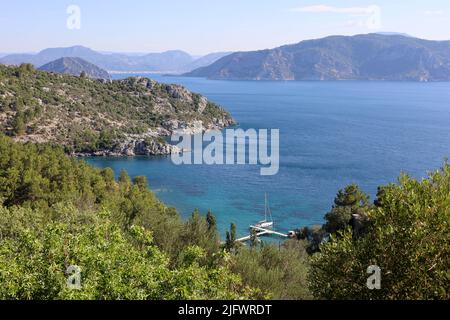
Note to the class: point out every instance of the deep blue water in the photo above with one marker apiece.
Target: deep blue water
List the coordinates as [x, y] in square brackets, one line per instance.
[331, 134]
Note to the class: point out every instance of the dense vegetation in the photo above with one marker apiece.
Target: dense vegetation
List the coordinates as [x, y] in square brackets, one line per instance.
[88, 115]
[58, 212]
[406, 233]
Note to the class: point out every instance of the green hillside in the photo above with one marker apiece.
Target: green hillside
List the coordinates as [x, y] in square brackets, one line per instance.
[88, 116]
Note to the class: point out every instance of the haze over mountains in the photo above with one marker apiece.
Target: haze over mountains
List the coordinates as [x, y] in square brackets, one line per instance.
[363, 57]
[380, 56]
[175, 61]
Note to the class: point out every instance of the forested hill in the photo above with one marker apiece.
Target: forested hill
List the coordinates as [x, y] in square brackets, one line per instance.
[92, 116]
[76, 67]
[57, 211]
[361, 57]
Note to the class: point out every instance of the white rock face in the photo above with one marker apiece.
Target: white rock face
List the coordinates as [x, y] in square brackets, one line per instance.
[195, 127]
[179, 92]
[202, 104]
[145, 148]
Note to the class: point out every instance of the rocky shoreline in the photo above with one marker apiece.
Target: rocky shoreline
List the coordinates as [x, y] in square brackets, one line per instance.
[154, 143]
[134, 148]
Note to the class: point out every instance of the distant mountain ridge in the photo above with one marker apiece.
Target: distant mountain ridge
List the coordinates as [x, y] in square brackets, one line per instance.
[206, 60]
[75, 66]
[175, 61]
[385, 33]
[361, 57]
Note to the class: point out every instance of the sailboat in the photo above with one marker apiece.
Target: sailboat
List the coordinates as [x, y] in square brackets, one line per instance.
[265, 224]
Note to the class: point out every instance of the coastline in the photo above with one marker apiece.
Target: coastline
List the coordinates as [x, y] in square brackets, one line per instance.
[151, 145]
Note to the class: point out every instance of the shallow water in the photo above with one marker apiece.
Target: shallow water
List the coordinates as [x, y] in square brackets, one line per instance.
[331, 134]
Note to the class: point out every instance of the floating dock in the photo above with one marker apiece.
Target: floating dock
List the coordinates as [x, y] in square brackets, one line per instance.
[262, 232]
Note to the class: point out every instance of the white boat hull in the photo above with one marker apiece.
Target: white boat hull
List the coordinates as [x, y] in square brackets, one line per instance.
[264, 224]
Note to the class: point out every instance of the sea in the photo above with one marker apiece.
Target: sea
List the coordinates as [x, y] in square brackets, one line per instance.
[331, 134]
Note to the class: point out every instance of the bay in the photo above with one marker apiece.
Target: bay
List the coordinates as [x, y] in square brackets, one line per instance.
[331, 134]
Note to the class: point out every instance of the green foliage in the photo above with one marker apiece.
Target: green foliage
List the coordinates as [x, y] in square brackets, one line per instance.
[280, 272]
[408, 238]
[19, 124]
[231, 238]
[34, 258]
[314, 235]
[211, 220]
[80, 113]
[349, 201]
[141, 182]
[57, 211]
[198, 231]
[37, 249]
[24, 69]
[254, 240]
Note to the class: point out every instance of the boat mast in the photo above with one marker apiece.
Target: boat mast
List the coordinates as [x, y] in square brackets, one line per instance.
[265, 207]
[268, 209]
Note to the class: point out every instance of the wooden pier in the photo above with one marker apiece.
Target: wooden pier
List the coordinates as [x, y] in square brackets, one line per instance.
[262, 232]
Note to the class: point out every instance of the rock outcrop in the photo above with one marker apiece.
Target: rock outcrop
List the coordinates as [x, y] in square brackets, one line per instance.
[133, 116]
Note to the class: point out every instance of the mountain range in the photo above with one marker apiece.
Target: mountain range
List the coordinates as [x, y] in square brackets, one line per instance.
[378, 56]
[175, 61]
[75, 67]
[362, 57]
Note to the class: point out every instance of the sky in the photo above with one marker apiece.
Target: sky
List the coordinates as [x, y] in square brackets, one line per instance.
[203, 26]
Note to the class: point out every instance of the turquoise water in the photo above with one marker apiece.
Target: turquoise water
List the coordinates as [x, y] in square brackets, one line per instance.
[331, 134]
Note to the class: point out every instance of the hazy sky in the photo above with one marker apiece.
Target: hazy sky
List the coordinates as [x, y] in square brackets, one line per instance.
[203, 26]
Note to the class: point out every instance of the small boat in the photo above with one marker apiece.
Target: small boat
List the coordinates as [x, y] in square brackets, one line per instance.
[266, 224]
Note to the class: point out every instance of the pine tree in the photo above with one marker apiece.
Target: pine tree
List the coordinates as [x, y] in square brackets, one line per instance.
[211, 220]
[19, 119]
[141, 182]
[231, 238]
[348, 201]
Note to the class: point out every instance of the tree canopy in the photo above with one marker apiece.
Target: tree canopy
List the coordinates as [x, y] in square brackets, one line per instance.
[407, 236]
[57, 212]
